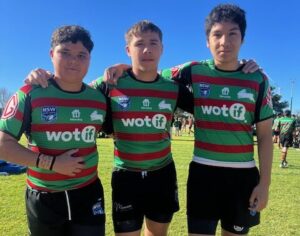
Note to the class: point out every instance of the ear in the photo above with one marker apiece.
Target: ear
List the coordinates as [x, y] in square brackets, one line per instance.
[128, 50]
[51, 53]
[207, 43]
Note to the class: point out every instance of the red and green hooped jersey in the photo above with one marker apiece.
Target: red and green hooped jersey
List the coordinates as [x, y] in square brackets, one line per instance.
[275, 123]
[286, 126]
[142, 114]
[227, 104]
[55, 121]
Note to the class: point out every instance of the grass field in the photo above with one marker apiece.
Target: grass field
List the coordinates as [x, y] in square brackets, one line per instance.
[281, 218]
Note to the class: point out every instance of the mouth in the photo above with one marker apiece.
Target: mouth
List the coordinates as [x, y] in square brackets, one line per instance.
[147, 60]
[73, 69]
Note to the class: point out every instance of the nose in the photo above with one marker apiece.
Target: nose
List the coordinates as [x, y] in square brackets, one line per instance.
[73, 58]
[224, 40]
[147, 50]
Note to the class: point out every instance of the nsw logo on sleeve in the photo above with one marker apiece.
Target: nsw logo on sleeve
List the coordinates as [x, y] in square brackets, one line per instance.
[49, 113]
[11, 107]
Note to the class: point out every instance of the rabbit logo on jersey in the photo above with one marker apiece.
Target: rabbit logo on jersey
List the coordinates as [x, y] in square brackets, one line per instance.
[87, 135]
[158, 121]
[236, 111]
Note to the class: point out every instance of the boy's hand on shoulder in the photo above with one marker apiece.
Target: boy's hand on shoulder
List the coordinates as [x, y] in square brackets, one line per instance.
[250, 66]
[38, 77]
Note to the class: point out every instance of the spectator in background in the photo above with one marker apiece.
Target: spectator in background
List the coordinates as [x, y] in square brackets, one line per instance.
[286, 127]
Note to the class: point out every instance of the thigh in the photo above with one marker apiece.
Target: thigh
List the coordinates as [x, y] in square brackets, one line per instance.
[87, 205]
[236, 217]
[46, 213]
[126, 199]
[201, 226]
[90, 230]
[161, 194]
[203, 192]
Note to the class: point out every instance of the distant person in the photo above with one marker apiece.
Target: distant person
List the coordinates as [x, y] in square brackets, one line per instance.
[183, 128]
[190, 125]
[64, 194]
[286, 126]
[177, 126]
[276, 130]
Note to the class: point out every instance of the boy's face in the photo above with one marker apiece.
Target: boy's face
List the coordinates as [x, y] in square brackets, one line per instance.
[71, 62]
[145, 50]
[224, 42]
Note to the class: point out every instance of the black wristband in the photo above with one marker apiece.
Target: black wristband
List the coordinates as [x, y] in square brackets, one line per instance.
[52, 162]
[37, 162]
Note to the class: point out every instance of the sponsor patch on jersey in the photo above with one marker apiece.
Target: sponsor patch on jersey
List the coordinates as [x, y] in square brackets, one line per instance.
[225, 93]
[11, 107]
[75, 115]
[124, 102]
[146, 104]
[49, 113]
[204, 89]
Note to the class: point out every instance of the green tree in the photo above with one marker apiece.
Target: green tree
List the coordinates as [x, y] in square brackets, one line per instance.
[278, 105]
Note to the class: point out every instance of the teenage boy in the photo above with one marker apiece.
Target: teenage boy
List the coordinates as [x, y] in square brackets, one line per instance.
[286, 127]
[224, 183]
[144, 182]
[64, 194]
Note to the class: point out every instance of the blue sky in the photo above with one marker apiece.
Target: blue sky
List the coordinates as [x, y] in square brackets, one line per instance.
[272, 36]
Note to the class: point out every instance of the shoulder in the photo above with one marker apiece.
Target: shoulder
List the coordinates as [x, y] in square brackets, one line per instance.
[27, 89]
[92, 90]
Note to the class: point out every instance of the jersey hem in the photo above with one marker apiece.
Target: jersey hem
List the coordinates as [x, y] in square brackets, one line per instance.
[204, 161]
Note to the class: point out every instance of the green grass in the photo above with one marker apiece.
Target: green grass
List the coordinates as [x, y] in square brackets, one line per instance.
[280, 218]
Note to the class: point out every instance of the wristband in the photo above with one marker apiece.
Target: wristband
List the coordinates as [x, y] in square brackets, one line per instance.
[37, 162]
[52, 162]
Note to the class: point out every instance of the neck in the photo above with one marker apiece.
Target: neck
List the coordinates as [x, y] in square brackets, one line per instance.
[230, 66]
[146, 76]
[69, 87]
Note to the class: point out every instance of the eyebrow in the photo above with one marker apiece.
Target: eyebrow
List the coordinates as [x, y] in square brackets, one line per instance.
[67, 49]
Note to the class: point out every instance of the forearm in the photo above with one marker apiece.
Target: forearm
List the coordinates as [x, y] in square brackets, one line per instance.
[12, 151]
[265, 156]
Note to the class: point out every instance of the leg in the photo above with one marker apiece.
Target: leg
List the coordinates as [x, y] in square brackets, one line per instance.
[127, 214]
[198, 227]
[45, 213]
[161, 200]
[153, 228]
[91, 230]
[135, 233]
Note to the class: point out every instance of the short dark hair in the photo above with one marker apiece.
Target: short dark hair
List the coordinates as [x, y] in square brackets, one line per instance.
[72, 33]
[226, 13]
[287, 113]
[142, 27]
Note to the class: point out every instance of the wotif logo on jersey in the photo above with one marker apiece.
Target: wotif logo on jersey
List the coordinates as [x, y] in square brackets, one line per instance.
[87, 135]
[158, 121]
[236, 111]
